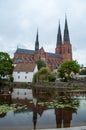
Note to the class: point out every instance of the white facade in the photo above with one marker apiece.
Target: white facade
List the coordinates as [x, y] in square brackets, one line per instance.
[24, 76]
[22, 94]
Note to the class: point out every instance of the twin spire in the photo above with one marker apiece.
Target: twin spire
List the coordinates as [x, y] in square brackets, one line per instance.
[66, 34]
[59, 36]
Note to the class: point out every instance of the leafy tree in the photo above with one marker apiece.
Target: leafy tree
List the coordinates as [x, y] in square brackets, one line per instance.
[6, 67]
[41, 63]
[35, 78]
[83, 72]
[67, 68]
[44, 74]
[52, 78]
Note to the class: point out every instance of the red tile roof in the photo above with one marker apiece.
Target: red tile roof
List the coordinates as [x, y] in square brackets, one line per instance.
[24, 67]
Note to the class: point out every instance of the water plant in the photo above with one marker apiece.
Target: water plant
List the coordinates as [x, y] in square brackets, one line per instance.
[12, 107]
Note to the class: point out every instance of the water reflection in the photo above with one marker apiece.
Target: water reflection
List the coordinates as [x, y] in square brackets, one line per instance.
[40, 107]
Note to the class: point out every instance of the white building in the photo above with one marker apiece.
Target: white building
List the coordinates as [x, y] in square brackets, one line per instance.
[23, 72]
[22, 94]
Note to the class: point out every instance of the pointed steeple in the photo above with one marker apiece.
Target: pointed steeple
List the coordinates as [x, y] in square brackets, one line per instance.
[59, 37]
[37, 42]
[66, 32]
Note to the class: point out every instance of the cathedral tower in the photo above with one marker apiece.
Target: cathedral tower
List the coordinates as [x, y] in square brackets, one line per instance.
[37, 42]
[66, 48]
[59, 41]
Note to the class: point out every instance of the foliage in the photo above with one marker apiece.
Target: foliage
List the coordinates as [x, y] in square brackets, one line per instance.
[12, 107]
[52, 78]
[6, 67]
[64, 102]
[83, 72]
[35, 78]
[67, 68]
[44, 74]
[41, 63]
[11, 79]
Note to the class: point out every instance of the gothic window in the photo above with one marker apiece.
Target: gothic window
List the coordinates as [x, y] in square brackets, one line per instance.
[60, 51]
[64, 50]
[68, 50]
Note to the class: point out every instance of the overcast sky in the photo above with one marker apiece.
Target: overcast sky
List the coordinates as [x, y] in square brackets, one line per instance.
[19, 20]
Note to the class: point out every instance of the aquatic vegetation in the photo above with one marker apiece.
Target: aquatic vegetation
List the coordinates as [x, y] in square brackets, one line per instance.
[13, 107]
[62, 102]
[5, 108]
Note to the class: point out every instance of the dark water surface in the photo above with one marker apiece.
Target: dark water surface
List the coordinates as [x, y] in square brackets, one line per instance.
[46, 110]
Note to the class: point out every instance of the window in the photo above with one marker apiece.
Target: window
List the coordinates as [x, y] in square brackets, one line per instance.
[69, 50]
[64, 50]
[17, 93]
[25, 93]
[18, 77]
[25, 77]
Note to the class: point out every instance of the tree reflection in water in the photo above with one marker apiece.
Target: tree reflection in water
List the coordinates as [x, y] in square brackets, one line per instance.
[63, 104]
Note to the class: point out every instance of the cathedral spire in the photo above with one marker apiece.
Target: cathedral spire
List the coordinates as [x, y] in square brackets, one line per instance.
[59, 37]
[37, 42]
[66, 31]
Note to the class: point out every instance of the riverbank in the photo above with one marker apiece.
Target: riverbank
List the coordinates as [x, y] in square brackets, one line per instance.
[28, 128]
[60, 86]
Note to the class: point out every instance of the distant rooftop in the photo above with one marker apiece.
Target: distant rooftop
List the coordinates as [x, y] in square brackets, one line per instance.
[54, 55]
[25, 51]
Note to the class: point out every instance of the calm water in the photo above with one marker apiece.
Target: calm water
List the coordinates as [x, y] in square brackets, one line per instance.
[46, 110]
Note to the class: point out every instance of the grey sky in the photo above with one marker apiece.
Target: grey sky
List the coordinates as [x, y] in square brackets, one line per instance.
[19, 20]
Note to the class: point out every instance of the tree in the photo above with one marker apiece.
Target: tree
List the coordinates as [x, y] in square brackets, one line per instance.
[67, 68]
[6, 67]
[51, 78]
[41, 63]
[44, 74]
[83, 72]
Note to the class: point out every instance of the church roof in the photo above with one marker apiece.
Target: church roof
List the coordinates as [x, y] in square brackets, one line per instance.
[53, 55]
[25, 51]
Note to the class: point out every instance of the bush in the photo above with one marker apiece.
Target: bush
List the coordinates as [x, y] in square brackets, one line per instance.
[52, 78]
[11, 79]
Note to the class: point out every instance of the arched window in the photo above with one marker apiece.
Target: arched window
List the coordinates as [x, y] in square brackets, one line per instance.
[68, 50]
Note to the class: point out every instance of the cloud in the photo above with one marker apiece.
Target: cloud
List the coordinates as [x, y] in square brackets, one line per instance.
[80, 55]
[19, 20]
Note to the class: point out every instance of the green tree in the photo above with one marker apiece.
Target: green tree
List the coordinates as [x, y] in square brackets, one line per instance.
[6, 67]
[41, 63]
[67, 68]
[51, 78]
[83, 72]
[44, 74]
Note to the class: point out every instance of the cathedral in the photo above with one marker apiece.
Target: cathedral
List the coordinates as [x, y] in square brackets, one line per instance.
[63, 51]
